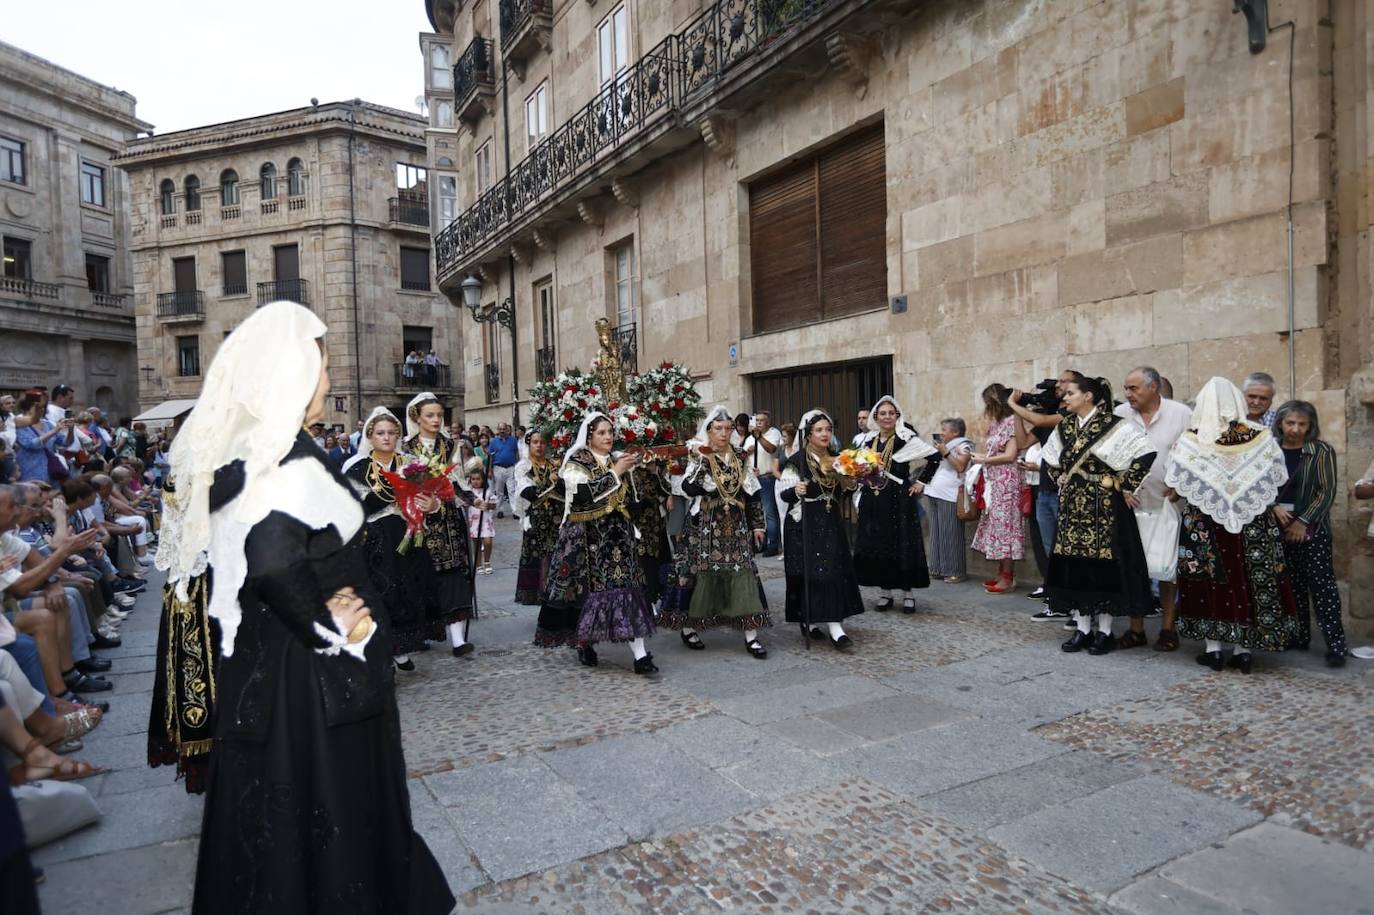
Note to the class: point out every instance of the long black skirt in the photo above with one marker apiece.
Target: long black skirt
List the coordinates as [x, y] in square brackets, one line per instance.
[406, 583]
[1119, 586]
[315, 819]
[821, 586]
[889, 551]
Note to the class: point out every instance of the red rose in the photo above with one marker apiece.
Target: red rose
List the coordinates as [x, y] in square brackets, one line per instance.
[570, 388]
[613, 405]
[633, 417]
[669, 433]
[678, 403]
[677, 389]
[629, 435]
[581, 404]
[569, 414]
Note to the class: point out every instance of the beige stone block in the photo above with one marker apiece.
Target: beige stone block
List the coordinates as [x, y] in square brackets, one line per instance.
[911, 115]
[1087, 228]
[1155, 16]
[931, 306]
[1077, 179]
[1008, 200]
[1233, 248]
[1032, 241]
[1259, 184]
[911, 272]
[946, 262]
[1237, 307]
[1114, 365]
[932, 185]
[1208, 36]
[1236, 357]
[966, 90]
[1057, 98]
[933, 223]
[1145, 62]
[1169, 206]
[1248, 126]
[1155, 108]
[1116, 324]
[1090, 130]
[1025, 290]
[1145, 266]
[1007, 338]
[1136, 162]
[960, 136]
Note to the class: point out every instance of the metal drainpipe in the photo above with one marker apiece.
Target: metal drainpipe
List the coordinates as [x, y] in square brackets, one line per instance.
[510, 259]
[353, 258]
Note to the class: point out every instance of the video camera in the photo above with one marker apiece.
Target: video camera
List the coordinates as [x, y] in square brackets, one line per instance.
[1044, 399]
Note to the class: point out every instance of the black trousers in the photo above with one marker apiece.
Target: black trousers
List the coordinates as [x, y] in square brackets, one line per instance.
[1314, 582]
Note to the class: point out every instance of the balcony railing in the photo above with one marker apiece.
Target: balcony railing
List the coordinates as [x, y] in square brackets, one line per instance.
[297, 291]
[524, 24]
[420, 377]
[233, 289]
[545, 363]
[678, 72]
[474, 83]
[15, 285]
[109, 299]
[410, 211]
[233, 211]
[627, 339]
[493, 383]
[182, 304]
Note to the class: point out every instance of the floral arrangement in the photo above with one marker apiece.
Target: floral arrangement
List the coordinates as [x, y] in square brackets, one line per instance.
[415, 479]
[660, 409]
[864, 465]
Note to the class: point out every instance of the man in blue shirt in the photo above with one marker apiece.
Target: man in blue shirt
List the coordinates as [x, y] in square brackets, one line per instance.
[505, 452]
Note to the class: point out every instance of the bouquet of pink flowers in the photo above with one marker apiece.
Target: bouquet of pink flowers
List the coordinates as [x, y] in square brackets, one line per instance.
[414, 480]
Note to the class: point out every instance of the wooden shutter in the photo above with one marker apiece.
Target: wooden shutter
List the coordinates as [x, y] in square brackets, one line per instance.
[853, 225]
[783, 249]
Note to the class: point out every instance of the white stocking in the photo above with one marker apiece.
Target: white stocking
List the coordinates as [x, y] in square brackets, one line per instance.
[688, 630]
[1213, 645]
[401, 658]
[1104, 623]
[906, 596]
[1083, 621]
[458, 633]
[836, 630]
[637, 646]
[1240, 651]
[750, 635]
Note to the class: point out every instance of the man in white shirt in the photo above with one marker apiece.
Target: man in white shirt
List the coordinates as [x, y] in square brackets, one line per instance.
[762, 449]
[59, 403]
[1163, 421]
[863, 429]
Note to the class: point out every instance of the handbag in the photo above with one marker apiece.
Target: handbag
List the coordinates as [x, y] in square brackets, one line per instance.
[968, 505]
[57, 468]
[1159, 529]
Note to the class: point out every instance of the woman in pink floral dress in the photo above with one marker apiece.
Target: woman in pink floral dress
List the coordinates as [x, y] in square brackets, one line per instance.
[1000, 535]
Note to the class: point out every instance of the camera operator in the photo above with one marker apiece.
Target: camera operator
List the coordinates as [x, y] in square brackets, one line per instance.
[1036, 426]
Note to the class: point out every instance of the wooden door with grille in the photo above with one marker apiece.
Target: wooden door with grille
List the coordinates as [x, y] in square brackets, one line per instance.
[839, 388]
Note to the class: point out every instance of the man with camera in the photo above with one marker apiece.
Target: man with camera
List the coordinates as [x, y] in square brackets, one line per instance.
[762, 449]
[1040, 411]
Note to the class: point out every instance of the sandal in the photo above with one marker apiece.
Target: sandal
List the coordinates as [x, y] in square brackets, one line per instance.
[1003, 586]
[756, 648]
[1132, 639]
[1167, 641]
[693, 641]
[82, 721]
[66, 770]
[955, 579]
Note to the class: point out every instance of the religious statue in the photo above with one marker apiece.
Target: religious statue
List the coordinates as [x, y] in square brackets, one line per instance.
[609, 372]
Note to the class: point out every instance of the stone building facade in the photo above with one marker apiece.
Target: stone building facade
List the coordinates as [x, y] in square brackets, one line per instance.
[65, 291]
[325, 205]
[813, 201]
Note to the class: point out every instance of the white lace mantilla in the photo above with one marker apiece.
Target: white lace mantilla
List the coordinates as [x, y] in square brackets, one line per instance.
[1122, 445]
[1231, 484]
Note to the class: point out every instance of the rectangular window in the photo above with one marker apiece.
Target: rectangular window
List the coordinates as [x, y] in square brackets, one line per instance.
[483, 169]
[613, 44]
[234, 266]
[818, 237]
[97, 273]
[416, 339]
[412, 179]
[18, 259]
[448, 199]
[537, 114]
[92, 184]
[188, 357]
[12, 161]
[415, 269]
[286, 263]
[626, 301]
[184, 274]
[440, 76]
[548, 320]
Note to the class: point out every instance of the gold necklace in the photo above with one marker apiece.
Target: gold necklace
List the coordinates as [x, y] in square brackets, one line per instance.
[725, 470]
[379, 484]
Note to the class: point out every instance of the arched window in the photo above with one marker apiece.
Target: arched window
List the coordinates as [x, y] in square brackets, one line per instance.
[167, 197]
[295, 178]
[268, 177]
[444, 115]
[440, 76]
[192, 188]
[229, 188]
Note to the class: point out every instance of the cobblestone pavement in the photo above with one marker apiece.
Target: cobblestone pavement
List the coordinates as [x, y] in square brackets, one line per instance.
[954, 761]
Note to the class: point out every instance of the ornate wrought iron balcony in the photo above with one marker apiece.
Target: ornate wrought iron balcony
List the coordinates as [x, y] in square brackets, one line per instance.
[474, 81]
[526, 26]
[493, 383]
[297, 291]
[409, 211]
[184, 305]
[421, 377]
[674, 78]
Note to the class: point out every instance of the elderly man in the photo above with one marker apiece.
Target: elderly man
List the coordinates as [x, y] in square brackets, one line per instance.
[505, 454]
[1259, 398]
[1163, 421]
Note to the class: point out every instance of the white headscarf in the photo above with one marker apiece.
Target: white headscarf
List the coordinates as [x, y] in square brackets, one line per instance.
[365, 440]
[1219, 403]
[913, 446]
[413, 413]
[715, 414]
[809, 419]
[580, 443]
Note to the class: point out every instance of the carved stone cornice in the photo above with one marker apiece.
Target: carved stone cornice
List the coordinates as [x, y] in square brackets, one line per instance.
[625, 192]
[850, 54]
[718, 132]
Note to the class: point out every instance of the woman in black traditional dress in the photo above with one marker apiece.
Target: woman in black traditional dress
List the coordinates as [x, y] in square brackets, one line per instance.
[821, 587]
[595, 587]
[718, 580]
[446, 530]
[539, 502]
[404, 580]
[307, 808]
[889, 551]
[649, 489]
[1097, 568]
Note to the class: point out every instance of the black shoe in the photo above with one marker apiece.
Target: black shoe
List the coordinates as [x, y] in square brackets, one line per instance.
[883, 605]
[500, 514]
[1212, 659]
[755, 648]
[1335, 659]
[1241, 661]
[1152, 613]
[843, 643]
[127, 586]
[1070, 624]
[1037, 594]
[1048, 614]
[587, 655]
[1078, 641]
[407, 665]
[1103, 643]
[693, 641]
[465, 648]
[908, 606]
[817, 634]
[102, 643]
[645, 666]
[93, 665]
[88, 684]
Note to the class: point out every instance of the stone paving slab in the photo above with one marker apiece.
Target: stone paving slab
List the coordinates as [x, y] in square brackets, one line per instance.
[431, 819]
[880, 719]
[813, 734]
[1103, 840]
[117, 883]
[1318, 876]
[131, 820]
[804, 699]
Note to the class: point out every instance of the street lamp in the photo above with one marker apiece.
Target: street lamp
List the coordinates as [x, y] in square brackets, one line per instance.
[503, 314]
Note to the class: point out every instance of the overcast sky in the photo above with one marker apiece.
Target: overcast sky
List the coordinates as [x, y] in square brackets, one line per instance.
[198, 63]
